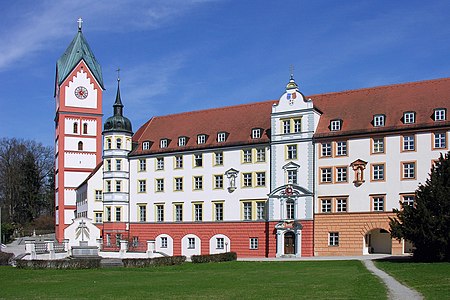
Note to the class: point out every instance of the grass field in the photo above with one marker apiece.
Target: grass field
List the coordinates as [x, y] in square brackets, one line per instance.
[432, 280]
[231, 280]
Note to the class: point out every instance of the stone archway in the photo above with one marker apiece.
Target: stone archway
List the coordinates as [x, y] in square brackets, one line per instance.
[377, 241]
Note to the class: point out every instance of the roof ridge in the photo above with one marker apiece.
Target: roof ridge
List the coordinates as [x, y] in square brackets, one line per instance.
[393, 85]
[214, 109]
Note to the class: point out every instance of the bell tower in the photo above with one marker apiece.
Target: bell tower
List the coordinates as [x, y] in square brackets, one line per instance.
[78, 125]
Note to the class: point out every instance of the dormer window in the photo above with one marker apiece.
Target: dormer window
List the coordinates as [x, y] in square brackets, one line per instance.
[163, 143]
[201, 139]
[256, 133]
[145, 145]
[379, 120]
[335, 125]
[182, 141]
[409, 117]
[221, 137]
[440, 114]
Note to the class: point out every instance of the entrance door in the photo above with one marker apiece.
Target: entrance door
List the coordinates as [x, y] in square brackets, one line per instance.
[289, 243]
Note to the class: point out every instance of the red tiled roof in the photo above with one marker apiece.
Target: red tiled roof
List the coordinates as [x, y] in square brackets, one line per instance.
[357, 107]
[237, 121]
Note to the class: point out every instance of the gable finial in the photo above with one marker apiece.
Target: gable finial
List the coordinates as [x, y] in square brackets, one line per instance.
[118, 74]
[291, 70]
[80, 22]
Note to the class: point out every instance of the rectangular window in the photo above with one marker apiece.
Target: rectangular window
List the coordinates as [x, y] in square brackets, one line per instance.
[378, 172]
[108, 165]
[326, 205]
[378, 120]
[260, 210]
[98, 195]
[408, 200]
[118, 165]
[325, 149]
[297, 125]
[135, 242]
[108, 186]
[221, 136]
[247, 210]
[218, 181]
[159, 213]
[247, 156]
[163, 242]
[160, 163]
[198, 160]
[178, 183]
[286, 126]
[98, 217]
[145, 145]
[253, 243]
[341, 148]
[198, 182]
[179, 162]
[247, 179]
[220, 243]
[160, 184]
[260, 179]
[333, 239]
[409, 170]
[440, 140]
[290, 210]
[108, 213]
[341, 174]
[218, 209]
[292, 176]
[142, 185]
[142, 165]
[198, 212]
[118, 185]
[142, 213]
[341, 204]
[118, 214]
[377, 145]
[378, 203]
[335, 125]
[291, 151]
[260, 154]
[326, 175]
[182, 141]
[201, 139]
[191, 243]
[409, 117]
[256, 133]
[439, 114]
[179, 212]
[218, 158]
[408, 143]
[163, 143]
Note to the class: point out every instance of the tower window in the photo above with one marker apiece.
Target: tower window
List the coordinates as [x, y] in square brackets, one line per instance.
[119, 143]
[75, 127]
[80, 146]
[85, 128]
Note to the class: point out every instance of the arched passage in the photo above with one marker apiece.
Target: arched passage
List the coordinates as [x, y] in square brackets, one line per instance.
[377, 240]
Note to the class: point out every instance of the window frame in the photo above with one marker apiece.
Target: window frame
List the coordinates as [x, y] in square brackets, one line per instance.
[379, 120]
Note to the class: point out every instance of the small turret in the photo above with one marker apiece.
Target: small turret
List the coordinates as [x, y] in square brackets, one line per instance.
[117, 122]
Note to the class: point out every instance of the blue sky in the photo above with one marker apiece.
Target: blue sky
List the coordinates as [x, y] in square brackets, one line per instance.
[183, 55]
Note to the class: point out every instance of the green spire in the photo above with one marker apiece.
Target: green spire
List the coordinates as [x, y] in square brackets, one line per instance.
[78, 49]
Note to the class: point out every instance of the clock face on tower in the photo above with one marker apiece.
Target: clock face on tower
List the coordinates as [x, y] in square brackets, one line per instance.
[81, 92]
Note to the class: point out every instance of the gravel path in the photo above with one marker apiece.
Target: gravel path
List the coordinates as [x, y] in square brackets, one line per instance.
[397, 291]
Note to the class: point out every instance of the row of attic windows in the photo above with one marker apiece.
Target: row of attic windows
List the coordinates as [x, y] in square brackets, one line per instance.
[409, 117]
[201, 139]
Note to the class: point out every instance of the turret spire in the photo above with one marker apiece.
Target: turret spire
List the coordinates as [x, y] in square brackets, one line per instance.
[118, 106]
[291, 84]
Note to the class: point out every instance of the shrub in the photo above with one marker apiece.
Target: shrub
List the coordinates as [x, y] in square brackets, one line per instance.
[153, 262]
[6, 258]
[228, 256]
[76, 263]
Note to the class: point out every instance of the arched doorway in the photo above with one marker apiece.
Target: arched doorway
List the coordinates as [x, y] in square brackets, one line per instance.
[377, 241]
[289, 243]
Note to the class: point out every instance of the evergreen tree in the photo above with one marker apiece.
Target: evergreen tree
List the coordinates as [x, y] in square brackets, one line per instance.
[427, 223]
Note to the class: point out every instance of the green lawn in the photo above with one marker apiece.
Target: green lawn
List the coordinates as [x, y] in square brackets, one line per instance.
[432, 280]
[230, 280]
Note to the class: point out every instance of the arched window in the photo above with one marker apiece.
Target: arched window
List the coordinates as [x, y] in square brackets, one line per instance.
[75, 127]
[85, 127]
[119, 143]
[80, 146]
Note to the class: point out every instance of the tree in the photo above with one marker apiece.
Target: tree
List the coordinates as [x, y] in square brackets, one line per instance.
[427, 223]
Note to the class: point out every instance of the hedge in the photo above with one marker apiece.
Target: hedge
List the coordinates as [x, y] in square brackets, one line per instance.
[6, 258]
[75, 263]
[153, 262]
[228, 256]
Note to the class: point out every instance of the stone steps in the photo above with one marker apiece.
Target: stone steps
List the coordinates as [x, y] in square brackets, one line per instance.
[111, 263]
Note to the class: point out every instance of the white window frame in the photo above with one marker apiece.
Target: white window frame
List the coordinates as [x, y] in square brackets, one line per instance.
[379, 120]
[181, 141]
[246, 156]
[221, 137]
[291, 151]
[335, 125]
[326, 175]
[341, 148]
[198, 212]
[440, 114]
[220, 243]
[218, 211]
[160, 163]
[325, 205]
[409, 117]
[256, 133]
[178, 161]
[178, 212]
[341, 204]
[326, 149]
[253, 243]
[409, 143]
[191, 243]
[145, 145]
[201, 139]
[159, 184]
[409, 170]
[378, 171]
[247, 180]
[198, 160]
[260, 179]
[440, 140]
[163, 143]
[178, 183]
[333, 239]
[164, 242]
[218, 181]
